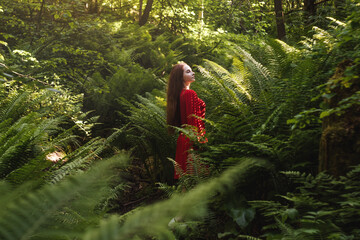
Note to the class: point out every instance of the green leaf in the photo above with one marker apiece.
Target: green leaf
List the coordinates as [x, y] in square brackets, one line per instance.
[242, 216]
[292, 213]
[310, 231]
[328, 95]
[325, 113]
[225, 234]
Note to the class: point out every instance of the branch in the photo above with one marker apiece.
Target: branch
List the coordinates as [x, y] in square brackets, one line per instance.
[300, 9]
[25, 76]
[323, 1]
[293, 10]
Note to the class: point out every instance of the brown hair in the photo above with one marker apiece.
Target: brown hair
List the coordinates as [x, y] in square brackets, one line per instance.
[174, 88]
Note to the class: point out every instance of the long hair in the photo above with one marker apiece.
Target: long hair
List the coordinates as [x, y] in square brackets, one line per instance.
[174, 88]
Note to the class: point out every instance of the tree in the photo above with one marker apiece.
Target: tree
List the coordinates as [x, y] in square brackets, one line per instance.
[140, 9]
[279, 15]
[309, 7]
[40, 15]
[340, 141]
[94, 6]
[145, 16]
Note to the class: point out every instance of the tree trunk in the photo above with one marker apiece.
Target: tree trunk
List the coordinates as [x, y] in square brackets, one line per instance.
[94, 6]
[140, 9]
[340, 139]
[201, 18]
[145, 16]
[310, 10]
[38, 26]
[280, 22]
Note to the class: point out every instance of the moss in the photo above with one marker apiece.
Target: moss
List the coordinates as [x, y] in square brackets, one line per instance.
[339, 144]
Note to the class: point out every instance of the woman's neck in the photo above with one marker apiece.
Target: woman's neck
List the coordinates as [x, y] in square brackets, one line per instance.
[187, 86]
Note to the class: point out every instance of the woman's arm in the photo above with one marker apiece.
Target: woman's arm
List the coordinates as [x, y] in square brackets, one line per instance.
[193, 110]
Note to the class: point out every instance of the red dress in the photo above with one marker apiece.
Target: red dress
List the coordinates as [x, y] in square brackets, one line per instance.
[190, 105]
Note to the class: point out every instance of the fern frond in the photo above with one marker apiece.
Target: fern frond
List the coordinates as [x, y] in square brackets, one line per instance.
[169, 190]
[231, 87]
[24, 218]
[78, 159]
[153, 220]
[149, 135]
[247, 237]
[14, 106]
[286, 229]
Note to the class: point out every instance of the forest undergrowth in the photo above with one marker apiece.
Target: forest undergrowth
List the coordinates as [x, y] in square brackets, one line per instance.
[84, 148]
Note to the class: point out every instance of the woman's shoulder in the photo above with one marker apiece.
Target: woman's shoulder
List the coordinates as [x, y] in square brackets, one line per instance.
[188, 92]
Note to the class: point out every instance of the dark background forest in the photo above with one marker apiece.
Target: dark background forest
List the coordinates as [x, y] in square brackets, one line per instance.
[84, 148]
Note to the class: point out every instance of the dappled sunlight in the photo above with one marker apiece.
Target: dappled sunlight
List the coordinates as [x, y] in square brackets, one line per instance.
[85, 147]
[116, 26]
[286, 46]
[55, 156]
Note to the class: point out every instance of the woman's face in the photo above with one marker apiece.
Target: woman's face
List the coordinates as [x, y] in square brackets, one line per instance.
[189, 75]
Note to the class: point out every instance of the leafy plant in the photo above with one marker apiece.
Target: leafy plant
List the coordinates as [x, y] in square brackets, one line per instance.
[148, 136]
[57, 210]
[322, 206]
[192, 207]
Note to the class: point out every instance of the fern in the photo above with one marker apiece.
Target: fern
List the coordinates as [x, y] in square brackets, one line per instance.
[25, 218]
[248, 237]
[31, 130]
[266, 85]
[229, 86]
[13, 106]
[153, 220]
[322, 207]
[14, 142]
[152, 144]
[78, 159]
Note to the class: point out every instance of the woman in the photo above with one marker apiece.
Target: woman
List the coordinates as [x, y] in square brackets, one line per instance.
[183, 108]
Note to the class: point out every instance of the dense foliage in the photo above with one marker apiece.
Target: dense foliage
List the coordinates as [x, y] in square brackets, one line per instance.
[84, 149]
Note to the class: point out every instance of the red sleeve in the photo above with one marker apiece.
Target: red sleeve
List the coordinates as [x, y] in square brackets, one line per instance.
[194, 107]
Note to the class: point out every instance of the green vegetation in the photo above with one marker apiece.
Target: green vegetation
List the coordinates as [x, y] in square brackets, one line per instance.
[84, 149]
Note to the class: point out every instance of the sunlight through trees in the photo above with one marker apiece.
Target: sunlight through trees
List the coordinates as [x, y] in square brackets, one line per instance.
[84, 147]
